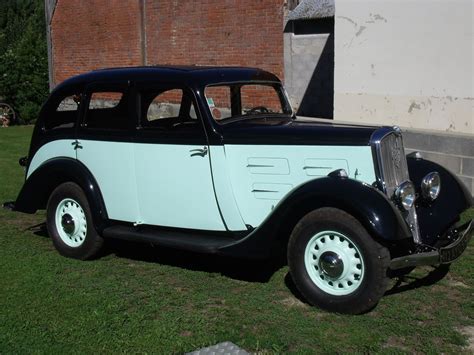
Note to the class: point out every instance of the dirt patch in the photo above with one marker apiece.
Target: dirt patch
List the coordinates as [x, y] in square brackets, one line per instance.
[397, 343]
[469, 332]
[459, 284]
[292, 301]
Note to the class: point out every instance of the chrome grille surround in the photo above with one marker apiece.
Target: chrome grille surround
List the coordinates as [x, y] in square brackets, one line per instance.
[392, 169]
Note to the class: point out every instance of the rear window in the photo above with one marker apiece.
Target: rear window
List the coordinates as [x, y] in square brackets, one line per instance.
[63, 112]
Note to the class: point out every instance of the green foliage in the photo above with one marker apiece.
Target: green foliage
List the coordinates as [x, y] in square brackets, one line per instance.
[23, 56]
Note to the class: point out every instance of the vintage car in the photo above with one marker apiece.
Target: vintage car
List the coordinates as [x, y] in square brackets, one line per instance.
[214, 160]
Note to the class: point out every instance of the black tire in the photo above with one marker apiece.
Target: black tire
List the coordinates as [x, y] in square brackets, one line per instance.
[370, 285]
[88, 241]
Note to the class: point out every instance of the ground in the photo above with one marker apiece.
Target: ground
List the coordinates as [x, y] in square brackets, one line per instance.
[140, 299]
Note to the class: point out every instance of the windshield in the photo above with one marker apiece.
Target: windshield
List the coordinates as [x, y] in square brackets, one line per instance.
[237, 101]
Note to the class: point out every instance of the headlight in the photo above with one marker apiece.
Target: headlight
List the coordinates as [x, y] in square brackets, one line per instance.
[430, 186]
[405, 195]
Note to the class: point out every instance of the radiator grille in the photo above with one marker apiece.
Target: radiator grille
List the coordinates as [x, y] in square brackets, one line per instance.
[393, 162]
[393, 170]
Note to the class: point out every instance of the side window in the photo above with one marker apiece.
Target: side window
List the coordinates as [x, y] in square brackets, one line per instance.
[108, 110]
[167, 109]
[63, 112]
[165, 105]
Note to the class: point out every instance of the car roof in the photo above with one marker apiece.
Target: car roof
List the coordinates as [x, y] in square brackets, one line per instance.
[193, 75]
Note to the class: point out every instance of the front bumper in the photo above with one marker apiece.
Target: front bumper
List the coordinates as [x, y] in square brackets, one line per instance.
[442, 255]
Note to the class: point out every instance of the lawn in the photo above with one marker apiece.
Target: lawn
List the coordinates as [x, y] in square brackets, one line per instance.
[141, 299]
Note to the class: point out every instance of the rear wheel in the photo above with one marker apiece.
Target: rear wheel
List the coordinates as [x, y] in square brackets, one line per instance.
[335, 263]
[69, 223]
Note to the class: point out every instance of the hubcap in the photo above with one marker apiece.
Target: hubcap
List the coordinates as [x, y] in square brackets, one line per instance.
[331, 264]
[71, 223]
[67, 222]
[334, 263]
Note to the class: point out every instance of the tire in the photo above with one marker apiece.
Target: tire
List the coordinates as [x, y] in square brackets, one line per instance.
[69, 223]
[336, 264]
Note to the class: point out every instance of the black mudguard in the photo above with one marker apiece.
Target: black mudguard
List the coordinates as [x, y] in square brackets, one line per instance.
[40, 184]
[371, 207]
[437, 217]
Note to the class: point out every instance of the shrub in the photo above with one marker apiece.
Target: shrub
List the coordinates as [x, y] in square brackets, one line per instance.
[23, 57]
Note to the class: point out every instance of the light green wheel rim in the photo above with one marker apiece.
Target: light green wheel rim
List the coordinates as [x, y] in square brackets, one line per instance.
[71, 223]
[334, 263]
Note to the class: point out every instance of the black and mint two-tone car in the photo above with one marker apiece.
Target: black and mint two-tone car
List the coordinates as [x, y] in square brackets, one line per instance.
[214, 160]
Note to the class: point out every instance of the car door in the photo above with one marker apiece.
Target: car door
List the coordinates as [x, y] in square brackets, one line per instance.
[105, 146]
[174, 178]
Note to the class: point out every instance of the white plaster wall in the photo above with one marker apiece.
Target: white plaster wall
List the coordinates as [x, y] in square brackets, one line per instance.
[405, 62]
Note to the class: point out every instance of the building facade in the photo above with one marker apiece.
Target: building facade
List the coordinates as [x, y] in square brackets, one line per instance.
[406, 63]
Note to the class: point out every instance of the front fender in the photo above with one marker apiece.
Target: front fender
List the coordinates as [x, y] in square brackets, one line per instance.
[436, 218]
[371, 207]
[40, 184]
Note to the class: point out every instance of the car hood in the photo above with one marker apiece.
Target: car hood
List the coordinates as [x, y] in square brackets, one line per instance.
[299, 131]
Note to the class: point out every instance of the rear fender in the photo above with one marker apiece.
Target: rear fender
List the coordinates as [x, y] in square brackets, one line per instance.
[41, 183]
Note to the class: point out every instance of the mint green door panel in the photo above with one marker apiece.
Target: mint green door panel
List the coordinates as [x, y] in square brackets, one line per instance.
[56, 149]
[224, 192]
[258, 191]
[268, 166]
[174, 186]
[113, 167]
[266, 191]
[322, 167]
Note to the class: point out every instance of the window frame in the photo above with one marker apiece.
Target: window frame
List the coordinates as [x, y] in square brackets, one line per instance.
[51, 106]
[158, 134]
[122, 87]
[235, 93]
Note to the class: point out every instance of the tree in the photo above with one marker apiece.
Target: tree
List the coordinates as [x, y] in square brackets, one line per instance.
[23, 56]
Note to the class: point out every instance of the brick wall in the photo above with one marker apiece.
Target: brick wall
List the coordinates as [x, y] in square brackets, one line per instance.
[94, 34]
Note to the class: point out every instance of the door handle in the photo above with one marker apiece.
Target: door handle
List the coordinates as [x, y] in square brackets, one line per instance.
[76, 145]
[199, 151]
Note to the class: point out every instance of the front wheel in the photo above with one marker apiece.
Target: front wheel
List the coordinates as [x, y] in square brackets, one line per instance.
[335, 263]
[69, 223]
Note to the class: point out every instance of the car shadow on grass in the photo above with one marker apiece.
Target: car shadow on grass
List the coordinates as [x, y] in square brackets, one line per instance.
[239, 269]
[412, 282]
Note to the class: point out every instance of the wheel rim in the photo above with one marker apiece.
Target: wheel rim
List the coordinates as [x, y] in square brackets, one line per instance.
[334, 263]
[71, 223]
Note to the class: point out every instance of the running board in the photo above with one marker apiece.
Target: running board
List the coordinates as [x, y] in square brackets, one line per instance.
[196, 241]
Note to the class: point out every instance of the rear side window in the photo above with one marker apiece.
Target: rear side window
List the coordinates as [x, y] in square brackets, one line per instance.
[108, 110]
[63, 112]
[167, 109]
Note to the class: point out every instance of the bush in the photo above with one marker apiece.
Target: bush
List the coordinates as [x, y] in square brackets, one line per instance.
[23, 57]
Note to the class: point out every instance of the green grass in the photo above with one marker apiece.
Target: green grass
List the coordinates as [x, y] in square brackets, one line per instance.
[141, 299]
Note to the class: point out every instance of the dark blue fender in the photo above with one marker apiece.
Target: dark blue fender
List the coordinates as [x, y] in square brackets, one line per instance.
[437, 217]
[38, 187]
[377, 214]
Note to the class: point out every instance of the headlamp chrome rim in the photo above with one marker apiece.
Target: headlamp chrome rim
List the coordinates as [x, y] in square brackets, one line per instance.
[431, 186]
[405, 195]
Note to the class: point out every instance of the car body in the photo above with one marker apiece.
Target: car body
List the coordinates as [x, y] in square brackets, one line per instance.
[213, 160]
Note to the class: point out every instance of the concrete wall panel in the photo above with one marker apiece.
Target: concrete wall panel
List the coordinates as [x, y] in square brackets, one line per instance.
[406, 62]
